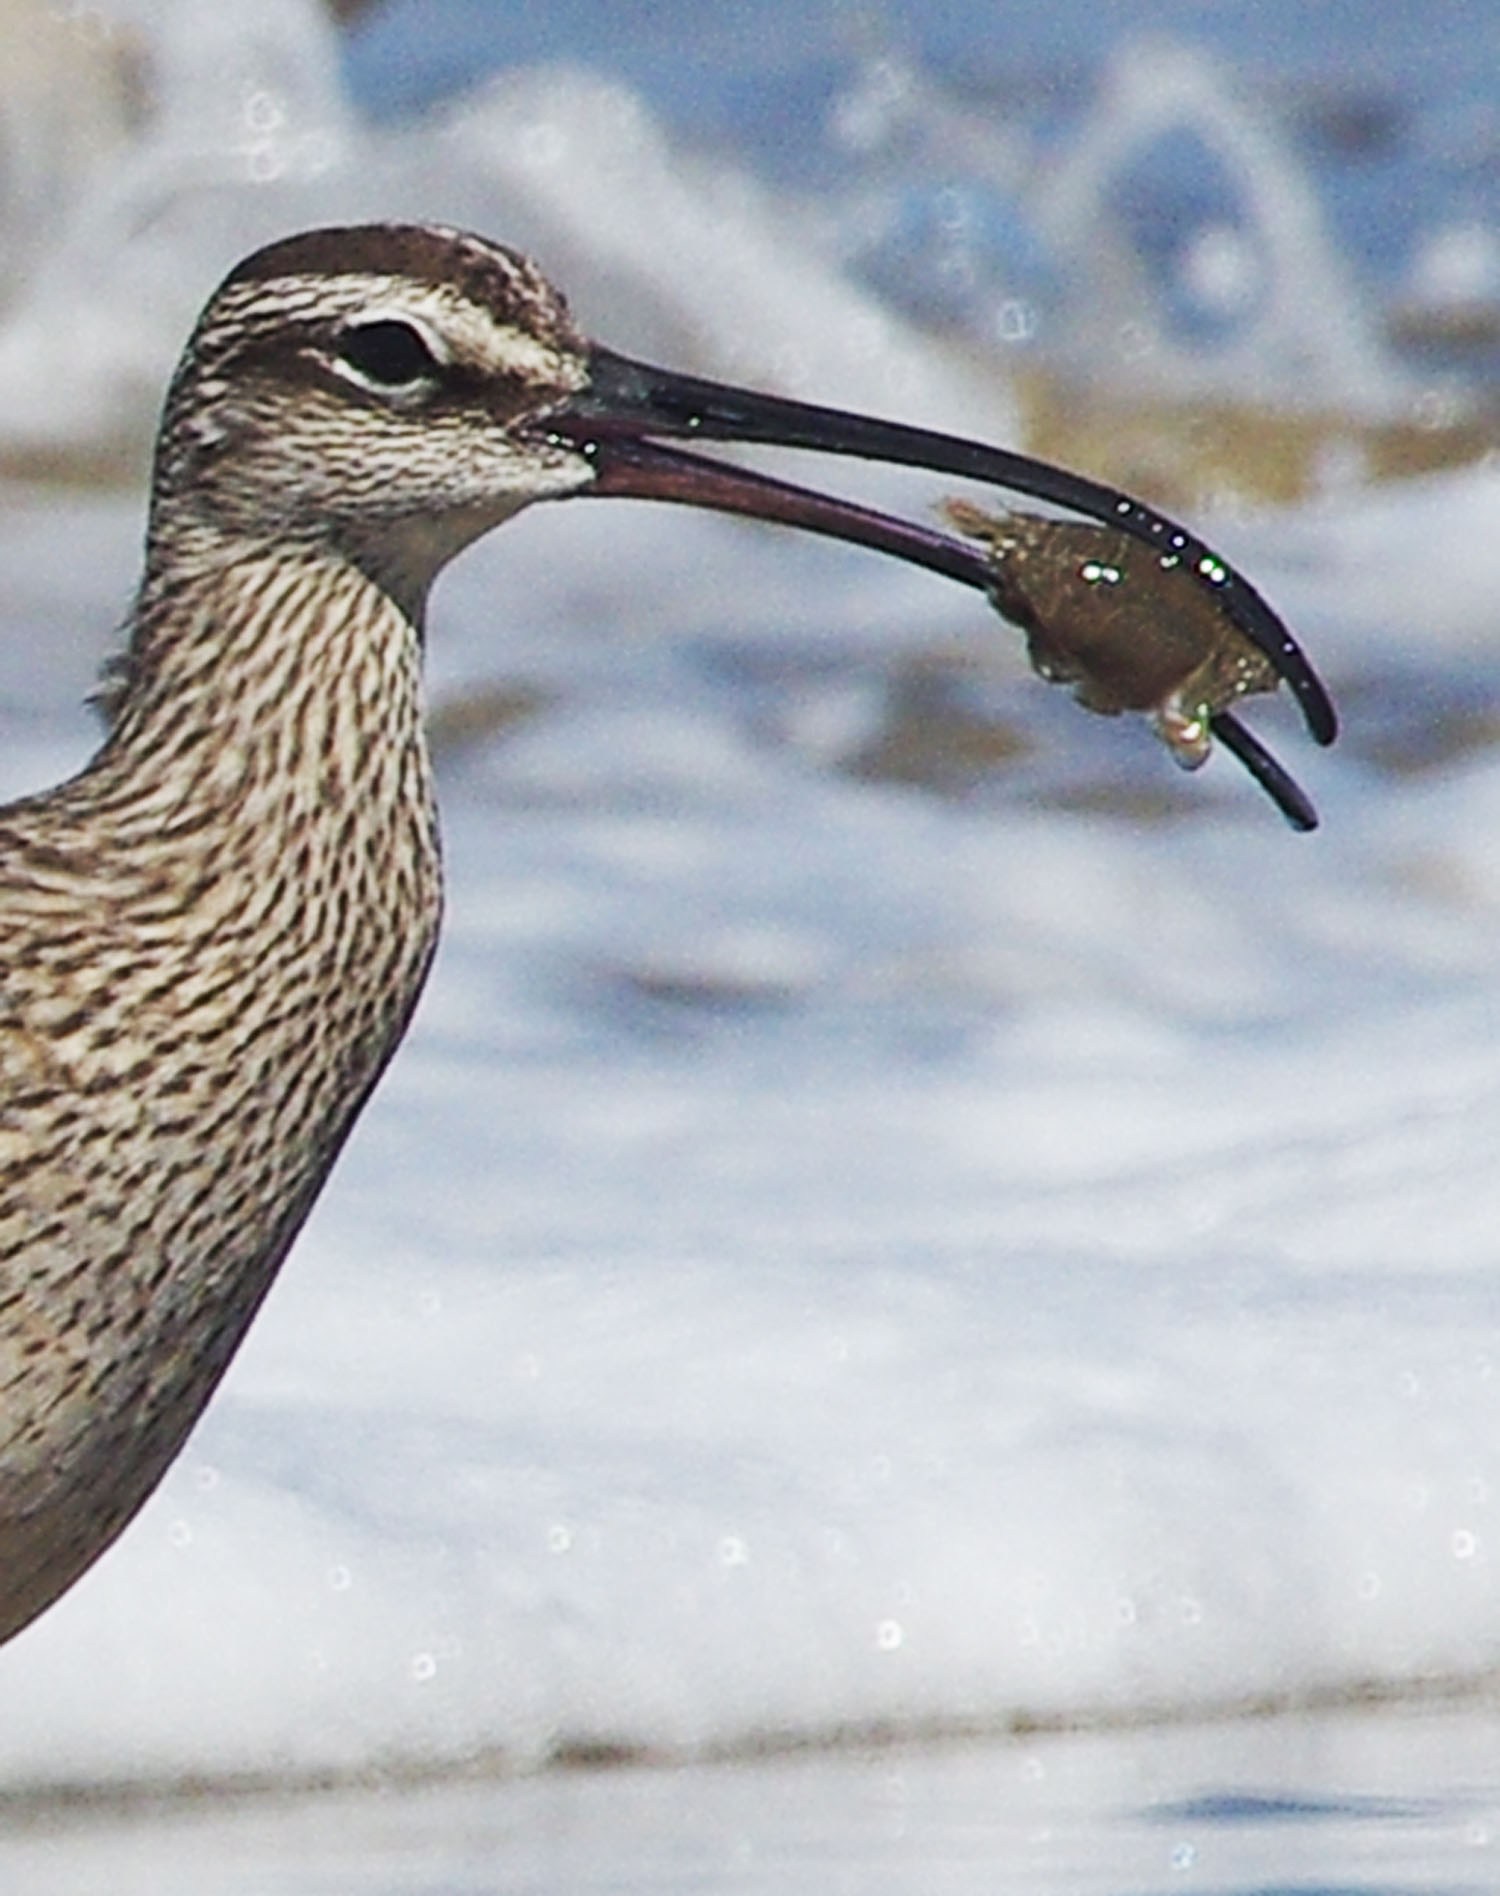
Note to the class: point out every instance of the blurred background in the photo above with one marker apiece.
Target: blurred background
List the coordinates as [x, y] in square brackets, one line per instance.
[1226, 257]
[1229, 250]
[901, 1212]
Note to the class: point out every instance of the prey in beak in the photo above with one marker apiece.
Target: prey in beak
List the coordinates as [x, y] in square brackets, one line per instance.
[1194, 634]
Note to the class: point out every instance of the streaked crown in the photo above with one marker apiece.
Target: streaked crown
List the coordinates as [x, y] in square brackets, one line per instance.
[362, 389]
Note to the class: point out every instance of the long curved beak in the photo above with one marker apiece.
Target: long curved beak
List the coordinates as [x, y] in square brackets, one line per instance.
[626, 407]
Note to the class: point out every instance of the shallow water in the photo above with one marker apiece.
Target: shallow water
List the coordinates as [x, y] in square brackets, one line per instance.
[1379, 1801]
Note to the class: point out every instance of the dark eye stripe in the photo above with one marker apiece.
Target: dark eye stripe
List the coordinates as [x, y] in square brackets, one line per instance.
[388, 352]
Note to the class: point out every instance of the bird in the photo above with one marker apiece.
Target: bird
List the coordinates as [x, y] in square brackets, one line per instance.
[216, 932]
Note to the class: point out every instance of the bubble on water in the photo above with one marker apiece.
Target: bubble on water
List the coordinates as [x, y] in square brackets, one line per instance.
[423, 1667]
[559, 1539]
[733, 1552]
[1190, 1610]
[339, 1578]
[263, 112]
[205, 1477]
[1371, 1586]
[1184, 1856]
[888, 1635]
[1465, 1544]
[1015, 321]
[179, 1533]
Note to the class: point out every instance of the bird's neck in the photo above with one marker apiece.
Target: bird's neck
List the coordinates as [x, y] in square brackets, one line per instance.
[250, 866]
[262, 681]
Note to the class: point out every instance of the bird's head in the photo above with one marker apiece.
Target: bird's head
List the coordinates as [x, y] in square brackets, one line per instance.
[388, 393]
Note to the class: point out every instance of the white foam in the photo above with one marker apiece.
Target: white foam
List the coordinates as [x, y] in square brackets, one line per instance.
[1063, 1286]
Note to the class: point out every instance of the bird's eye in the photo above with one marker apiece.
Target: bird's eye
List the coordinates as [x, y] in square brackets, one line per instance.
[391, 354]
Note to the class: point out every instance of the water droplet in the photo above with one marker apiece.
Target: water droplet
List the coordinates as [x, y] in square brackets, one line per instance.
[1184, 1856]
[263, 165]
[1190, 1610]
[888, 1635]
[1371, 1586]
[1465, 1544]
[423, 1667]
[340, 1578]
[179, 1533]
[559, 1539]
[733, 1552]
[263, 112]
[1015, 321]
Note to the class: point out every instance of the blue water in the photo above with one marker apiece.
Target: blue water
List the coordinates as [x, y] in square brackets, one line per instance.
[1394, 110]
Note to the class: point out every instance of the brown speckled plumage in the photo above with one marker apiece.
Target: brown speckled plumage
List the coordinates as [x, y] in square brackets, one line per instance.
[215, 934]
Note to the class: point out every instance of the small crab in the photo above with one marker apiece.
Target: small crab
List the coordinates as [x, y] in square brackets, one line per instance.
[1126, 625]
[1126, 605]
